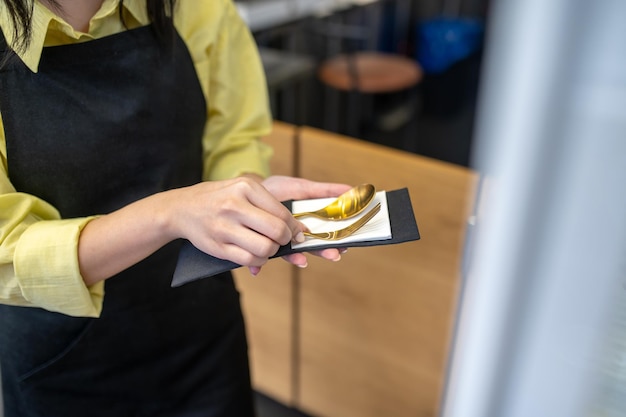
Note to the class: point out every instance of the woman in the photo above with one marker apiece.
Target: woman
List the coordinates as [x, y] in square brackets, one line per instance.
[112, 115]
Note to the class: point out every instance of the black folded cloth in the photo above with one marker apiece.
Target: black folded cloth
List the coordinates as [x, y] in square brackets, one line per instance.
[194, 264]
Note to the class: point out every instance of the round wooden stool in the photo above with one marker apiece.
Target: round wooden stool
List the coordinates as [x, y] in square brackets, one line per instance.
[368, 73]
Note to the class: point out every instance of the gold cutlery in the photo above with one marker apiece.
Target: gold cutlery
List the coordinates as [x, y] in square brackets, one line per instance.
[347, 205]
[347, 231]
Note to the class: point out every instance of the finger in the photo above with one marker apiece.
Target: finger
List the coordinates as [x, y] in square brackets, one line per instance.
[297, 259]
[254, 270]
[256, 244]
[313, 189]
[262, 199]
[236, 254]
[330, 254]
[321, 189]
[267, 225]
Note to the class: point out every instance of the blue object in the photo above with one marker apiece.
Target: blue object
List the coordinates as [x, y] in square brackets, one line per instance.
[444, 41]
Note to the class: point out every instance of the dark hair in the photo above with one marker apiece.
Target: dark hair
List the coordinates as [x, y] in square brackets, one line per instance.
[160, 13]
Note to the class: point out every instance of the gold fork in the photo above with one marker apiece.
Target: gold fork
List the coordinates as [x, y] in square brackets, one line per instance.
[346, 231]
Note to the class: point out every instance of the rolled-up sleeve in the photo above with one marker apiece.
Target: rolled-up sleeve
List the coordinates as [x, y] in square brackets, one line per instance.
[38, 255]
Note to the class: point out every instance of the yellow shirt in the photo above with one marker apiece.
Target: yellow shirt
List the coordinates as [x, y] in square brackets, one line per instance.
[38, 249]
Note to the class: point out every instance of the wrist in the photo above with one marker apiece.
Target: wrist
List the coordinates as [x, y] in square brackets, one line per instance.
[162, 215]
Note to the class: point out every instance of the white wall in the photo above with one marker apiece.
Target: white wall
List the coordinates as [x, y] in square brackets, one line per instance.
[543, 310]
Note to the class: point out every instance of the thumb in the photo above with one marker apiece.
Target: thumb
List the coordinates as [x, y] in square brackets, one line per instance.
[296, 233]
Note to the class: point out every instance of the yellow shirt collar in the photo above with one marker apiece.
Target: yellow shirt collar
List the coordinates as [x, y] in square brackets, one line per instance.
[50, 29]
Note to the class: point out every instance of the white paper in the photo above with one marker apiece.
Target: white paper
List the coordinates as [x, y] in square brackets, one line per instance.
[378, 228]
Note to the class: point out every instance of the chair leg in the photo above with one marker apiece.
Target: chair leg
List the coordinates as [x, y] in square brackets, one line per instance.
[331, 114]
[353, 118]
[411, 135]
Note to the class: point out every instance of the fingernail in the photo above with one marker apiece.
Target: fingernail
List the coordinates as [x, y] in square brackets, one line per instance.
[299, 237]
[337, 259]
[343, 250]
[304, 265]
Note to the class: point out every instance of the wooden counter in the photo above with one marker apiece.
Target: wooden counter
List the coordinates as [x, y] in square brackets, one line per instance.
[267, 300]
[367, 336]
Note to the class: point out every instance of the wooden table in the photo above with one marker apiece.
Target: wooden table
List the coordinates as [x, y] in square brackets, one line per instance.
[367, 336]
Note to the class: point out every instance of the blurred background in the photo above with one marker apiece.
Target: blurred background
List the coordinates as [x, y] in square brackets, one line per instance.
[403, 76]
[506, 121]
[431, 114]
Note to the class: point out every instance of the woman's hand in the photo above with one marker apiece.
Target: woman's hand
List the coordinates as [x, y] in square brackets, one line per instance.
[241, 220]
[291, 188]
[238, 220]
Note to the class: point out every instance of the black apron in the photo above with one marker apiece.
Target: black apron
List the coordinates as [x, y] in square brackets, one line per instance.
[105, 123]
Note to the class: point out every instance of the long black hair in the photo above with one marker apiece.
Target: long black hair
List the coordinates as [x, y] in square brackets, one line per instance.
[160, 12]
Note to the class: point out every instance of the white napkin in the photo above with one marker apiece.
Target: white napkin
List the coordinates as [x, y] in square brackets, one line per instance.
[378, 228]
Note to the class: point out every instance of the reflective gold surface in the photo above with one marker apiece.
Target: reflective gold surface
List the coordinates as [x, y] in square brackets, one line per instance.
[346, 231]
[346, 205]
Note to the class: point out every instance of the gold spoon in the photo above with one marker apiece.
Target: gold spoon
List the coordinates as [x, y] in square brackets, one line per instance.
[346, 205]
[346, 231]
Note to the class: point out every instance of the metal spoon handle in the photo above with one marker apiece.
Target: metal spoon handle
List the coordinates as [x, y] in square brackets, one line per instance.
[309, 213]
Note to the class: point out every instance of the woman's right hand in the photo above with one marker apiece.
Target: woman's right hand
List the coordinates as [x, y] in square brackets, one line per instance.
[238, 220]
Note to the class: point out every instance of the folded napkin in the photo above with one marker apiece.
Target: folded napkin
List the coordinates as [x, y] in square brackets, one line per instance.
[193, 264]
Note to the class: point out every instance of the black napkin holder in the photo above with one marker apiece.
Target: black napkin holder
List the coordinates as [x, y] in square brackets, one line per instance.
[194, 264]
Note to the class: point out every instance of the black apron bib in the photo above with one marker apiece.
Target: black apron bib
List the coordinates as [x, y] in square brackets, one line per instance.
[102, 124]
